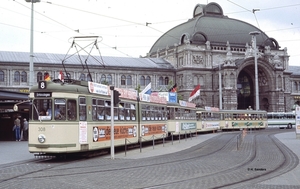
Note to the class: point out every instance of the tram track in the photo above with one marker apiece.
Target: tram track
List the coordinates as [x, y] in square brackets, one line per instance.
[215, 163]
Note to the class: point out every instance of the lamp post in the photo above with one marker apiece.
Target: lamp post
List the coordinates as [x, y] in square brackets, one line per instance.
[254, 34]
[31, 71]
[220, 87]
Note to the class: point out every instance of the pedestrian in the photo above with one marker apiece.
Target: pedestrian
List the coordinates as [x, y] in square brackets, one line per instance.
[17, 129]
[25, 129]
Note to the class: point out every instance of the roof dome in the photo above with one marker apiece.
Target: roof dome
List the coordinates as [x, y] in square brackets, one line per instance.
[209, 24]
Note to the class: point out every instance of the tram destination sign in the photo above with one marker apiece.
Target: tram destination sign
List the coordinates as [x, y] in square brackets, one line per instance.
[43, 94]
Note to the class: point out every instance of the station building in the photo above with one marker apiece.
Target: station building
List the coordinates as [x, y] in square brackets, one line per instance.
[195, 52]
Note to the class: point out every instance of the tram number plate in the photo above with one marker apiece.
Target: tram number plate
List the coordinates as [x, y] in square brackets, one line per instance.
[42, 84]
[41, 129]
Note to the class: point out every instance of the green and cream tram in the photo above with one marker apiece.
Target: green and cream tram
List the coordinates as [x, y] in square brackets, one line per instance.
[232, 119]
[75, 116]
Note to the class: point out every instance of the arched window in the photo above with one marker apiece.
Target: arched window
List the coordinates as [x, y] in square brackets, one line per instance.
[123, 80]
[39, 77]
[160, 80]
[166, 80]
[82, 77]
[1, 76]
[17, 76]
[129, 80]
[89, 77]
[23, 76]
[103, 79]
[148, 80]
[109, 79]
[142, 81]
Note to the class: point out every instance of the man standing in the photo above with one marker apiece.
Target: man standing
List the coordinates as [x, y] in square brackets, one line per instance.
[25, 129]
[17, 129]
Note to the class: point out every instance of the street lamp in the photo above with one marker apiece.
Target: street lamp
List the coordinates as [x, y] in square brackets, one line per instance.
[254, 34]
[31, 72]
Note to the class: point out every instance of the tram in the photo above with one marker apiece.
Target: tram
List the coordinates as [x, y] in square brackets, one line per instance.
[75, 116]
[181, 118]
[213, 118]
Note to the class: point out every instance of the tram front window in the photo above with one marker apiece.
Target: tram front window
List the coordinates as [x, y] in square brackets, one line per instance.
[60, 109]
[42, 109]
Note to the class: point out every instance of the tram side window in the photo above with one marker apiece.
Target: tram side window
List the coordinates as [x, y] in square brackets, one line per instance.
[132, 112]
[82, 109]
[94, 109]
[72, 112]
[42, 109]
[122, 111]
[107, 110]
[59, 109]
[100, 110]
[116, 113]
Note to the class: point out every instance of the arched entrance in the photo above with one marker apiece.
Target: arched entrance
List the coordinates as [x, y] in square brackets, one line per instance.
[245, 91]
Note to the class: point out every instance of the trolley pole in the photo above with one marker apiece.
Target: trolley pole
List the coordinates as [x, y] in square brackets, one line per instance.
[112, 134]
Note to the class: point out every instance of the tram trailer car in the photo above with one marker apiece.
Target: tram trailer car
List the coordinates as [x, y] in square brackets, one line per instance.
[182, 118]
[227, 120]
[75, 116]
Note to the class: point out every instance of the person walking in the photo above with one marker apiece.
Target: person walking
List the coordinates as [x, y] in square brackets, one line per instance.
[17, 129]
[25, 129]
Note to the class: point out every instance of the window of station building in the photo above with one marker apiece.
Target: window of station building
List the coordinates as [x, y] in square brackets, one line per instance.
[160, 80]
[82, 109]
[129, 80]
[17, 76]
[126, 80]
[142, 81]
[166, 80]
[103, 79]
[109, 79]
[1, 76]
[89, 77]
[23, 76]
[82, 77]
[39, 76]
[148, 80]
[123, 80]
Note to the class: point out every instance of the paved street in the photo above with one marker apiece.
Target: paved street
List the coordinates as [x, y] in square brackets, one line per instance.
[265, 159]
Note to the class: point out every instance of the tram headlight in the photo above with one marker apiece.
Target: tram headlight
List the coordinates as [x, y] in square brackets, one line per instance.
[41, 138]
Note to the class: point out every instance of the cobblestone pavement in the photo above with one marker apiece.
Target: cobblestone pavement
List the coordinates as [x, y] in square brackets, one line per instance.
[262, 160]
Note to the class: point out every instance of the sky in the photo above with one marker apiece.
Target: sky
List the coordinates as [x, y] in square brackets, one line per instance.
[130, 28]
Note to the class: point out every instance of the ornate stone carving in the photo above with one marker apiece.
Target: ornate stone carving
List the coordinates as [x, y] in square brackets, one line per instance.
[197, 59]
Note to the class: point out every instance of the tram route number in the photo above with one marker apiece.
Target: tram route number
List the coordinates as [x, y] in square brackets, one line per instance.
[41, 129]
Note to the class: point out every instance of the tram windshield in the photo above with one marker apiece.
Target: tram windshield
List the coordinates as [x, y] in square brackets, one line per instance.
[57, 109]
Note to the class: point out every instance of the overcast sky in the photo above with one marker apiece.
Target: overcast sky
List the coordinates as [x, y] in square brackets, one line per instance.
[122, 24]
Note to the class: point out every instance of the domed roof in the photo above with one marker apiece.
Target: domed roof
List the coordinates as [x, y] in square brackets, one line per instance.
[209, 24]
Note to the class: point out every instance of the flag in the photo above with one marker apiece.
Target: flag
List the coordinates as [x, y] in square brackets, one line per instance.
[195, 93]
[173, 89]
[61, 76]
[47, 77]
[147, 89]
